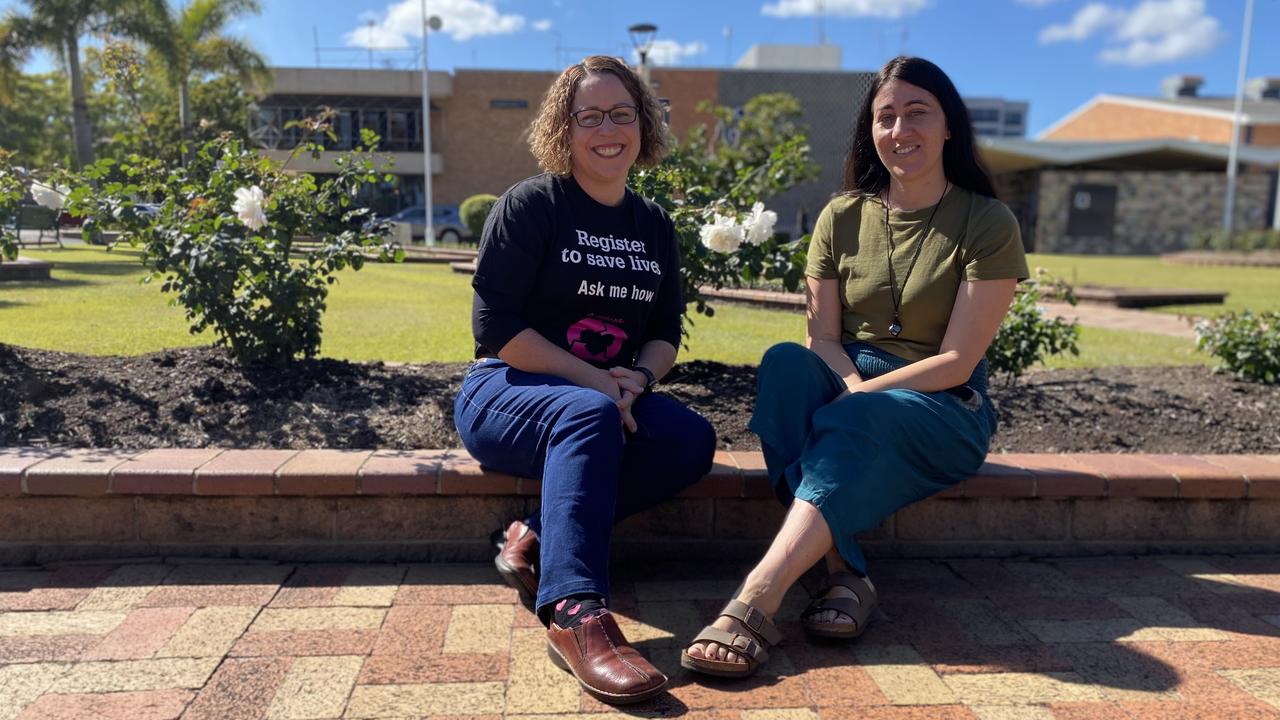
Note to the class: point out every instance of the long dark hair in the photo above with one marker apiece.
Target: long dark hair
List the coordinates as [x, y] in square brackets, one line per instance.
[864, 174]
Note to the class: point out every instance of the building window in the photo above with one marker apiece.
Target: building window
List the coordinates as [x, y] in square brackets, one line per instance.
[1013, 118]
[498, 104]
[984, 115]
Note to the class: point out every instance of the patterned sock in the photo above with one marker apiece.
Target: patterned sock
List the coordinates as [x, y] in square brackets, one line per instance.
[572, 611]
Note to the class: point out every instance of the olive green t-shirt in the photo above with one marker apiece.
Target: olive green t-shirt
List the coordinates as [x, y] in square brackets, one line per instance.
[973, 237]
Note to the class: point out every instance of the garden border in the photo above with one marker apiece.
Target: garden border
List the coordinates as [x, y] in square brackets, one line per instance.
[440, 505]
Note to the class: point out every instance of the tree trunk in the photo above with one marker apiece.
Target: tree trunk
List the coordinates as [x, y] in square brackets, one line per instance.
[80, 127]
[184, 118]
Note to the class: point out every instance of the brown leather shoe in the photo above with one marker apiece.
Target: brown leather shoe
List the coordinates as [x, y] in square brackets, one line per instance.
[605, 665]
[518, 561]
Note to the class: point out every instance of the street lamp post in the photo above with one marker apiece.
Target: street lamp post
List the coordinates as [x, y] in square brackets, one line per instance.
[428, 24]
[642, 35]
[1229, 205]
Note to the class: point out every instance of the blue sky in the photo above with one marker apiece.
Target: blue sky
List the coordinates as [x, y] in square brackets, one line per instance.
[1056, 54]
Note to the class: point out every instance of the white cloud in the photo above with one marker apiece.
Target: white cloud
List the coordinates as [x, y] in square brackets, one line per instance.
[888, 9]
[1088, 20]
[542, 25]
[1155, 31]
[401, 24]
[670, 52]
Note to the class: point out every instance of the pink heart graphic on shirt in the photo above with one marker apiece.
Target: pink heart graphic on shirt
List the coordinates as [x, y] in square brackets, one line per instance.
[595, 339]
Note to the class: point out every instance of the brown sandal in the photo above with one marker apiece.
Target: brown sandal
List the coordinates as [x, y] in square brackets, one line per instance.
[751, 638]
[858, 608]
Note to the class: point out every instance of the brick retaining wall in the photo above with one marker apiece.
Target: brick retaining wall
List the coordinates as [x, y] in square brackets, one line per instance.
[439, 505]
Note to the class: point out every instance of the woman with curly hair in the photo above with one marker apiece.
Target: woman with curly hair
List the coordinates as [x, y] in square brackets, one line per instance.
[576, 316]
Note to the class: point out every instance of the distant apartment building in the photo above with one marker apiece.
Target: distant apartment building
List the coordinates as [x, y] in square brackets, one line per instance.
[997, 117]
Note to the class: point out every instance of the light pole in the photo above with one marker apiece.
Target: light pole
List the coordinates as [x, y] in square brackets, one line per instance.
[1229, 206]
[642, 35]
[428, 24]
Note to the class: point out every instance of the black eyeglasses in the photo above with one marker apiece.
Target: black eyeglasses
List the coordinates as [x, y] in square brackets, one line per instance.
[591, 117]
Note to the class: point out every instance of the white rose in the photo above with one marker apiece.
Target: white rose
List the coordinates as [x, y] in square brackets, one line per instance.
[248, 206]
[722, 234]
[48, 196]
[760, 224]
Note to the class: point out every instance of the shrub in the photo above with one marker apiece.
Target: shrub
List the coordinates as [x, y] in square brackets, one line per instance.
[707, 182]
[1248, 345]
[223, 238]
[11, 187]
[1026, 336]
[475, 210]
[1240, 240]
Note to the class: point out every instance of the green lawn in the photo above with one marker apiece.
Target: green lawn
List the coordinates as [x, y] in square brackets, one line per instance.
[421, 313]
[1255, 289]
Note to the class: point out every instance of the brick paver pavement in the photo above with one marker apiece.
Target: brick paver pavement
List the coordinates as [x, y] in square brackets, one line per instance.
[1088, 638]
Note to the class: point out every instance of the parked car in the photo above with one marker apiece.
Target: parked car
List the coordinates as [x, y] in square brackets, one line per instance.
[445, 219]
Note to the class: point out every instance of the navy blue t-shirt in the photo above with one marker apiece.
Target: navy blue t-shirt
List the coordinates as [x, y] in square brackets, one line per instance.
[598, 281]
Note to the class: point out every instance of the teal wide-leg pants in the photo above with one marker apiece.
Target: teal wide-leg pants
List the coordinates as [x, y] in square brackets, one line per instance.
[863, 457]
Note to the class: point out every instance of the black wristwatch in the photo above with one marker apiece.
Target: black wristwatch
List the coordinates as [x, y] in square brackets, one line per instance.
[649, 378]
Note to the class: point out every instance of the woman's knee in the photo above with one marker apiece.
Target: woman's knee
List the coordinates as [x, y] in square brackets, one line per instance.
[786, 357]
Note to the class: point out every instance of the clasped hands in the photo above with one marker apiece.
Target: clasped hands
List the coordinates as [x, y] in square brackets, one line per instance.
[623, 386]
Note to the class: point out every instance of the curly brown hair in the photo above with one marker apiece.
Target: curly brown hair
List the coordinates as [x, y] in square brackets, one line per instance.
[551, 133]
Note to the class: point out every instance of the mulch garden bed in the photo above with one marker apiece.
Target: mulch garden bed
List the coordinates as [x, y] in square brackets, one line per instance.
[198, 397]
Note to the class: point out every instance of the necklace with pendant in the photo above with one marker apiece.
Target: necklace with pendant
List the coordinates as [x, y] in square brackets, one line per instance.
[895, 328]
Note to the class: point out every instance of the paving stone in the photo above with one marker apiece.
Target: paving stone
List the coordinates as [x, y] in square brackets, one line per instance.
[209, 632]
[386, 701]
[315, 687]
[337, 618]
[45, 648]
[125, 588]
[780, 714]
[136, 675]
[426, 669]
[903, 677]
[143, 632]
[479, 629]
[1122, 672]
[982, 620]
[534, 684]
[1078, 631]
[1262, 683]
[155, 705]
[20, 685]
[661, 623]
[1166, 621]
[453, 584]
[700, 589]
[1012, 712]
[832, 676]
[242, 689]
[62, 589]
[370, 586]
[312, 586]
[928, 712]
[72, 622]
[974, 658]
[1089, 711]
[208, 585]
[284, 643]
[1023, 688]
[414, 630]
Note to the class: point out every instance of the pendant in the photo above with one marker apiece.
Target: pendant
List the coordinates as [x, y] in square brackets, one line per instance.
[895, 328]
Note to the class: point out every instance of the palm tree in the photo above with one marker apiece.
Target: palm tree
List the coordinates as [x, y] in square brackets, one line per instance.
[57, 26]
[191, 39]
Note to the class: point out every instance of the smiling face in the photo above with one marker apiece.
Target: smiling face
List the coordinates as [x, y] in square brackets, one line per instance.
[603, 155]
[909, 129]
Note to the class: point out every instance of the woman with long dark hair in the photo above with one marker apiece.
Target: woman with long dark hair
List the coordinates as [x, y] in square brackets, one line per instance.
[911, 269]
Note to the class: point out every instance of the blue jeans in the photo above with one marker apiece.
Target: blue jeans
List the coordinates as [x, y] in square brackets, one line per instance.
[570, 437]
